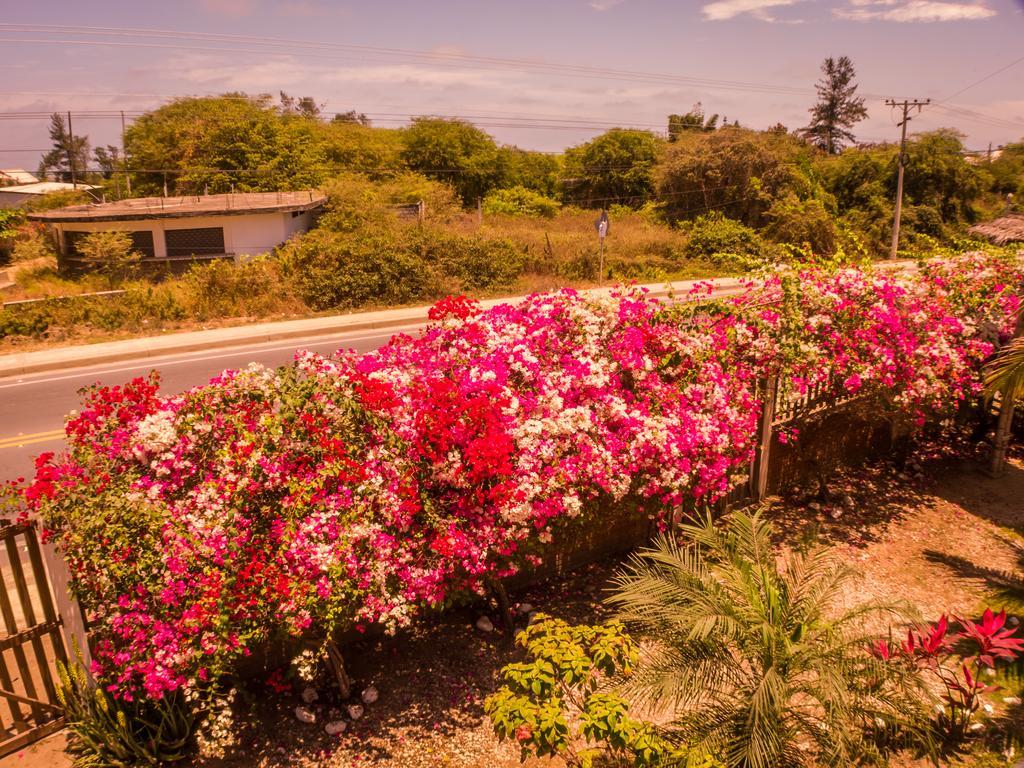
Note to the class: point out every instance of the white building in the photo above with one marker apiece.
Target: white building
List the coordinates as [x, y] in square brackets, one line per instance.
[10, 176]
[174, 229]
[13, 196]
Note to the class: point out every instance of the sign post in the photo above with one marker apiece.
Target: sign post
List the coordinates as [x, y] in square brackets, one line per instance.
[601, 225]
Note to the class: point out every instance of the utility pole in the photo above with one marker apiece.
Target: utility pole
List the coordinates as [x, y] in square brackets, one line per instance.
[906, 106]
[71, 153]
[124, 154]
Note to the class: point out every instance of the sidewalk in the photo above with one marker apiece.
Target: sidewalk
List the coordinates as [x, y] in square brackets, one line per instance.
[21, 363]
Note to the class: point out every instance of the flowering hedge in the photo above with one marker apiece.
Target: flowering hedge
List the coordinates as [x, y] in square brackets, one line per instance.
[340, 491]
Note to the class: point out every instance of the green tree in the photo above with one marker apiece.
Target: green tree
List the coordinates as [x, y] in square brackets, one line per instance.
[67, 149]
[109, 253]
[301, 106]
[838, 108]
[1008, 171]
[757, 656]
[108, 160]
[220, 143]
[615, 167]
[938, 176]
[352, 117]
[455, 152]
[694, 120]
[536, 171]
[733, 170]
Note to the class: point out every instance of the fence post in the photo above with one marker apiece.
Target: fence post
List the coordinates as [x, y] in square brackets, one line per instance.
[759, 479]
[1007, 405]
[421, 211]
[70, 612]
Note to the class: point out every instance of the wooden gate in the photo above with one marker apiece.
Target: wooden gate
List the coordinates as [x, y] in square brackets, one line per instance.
[38, 618]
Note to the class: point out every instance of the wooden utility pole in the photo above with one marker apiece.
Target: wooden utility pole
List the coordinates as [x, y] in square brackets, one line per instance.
[906, 106]
[71, 152]
[124, 154]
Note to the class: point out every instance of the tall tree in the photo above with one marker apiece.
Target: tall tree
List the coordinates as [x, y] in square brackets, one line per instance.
[108, 160]
[838, 108]
[694, 120]
[303, 106]
[615, 167]
[66, 149]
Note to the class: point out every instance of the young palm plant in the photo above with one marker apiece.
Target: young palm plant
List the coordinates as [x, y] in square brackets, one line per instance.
[1005, 373]
[754, 657]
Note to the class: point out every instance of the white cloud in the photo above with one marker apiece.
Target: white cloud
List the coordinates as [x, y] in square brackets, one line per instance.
[604, 5]
[722, 10]
[914, 10]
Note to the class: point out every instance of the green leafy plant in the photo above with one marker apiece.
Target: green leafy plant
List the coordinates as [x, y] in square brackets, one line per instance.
[755, 657]
[113, 733]
[520, 201]
[558, 702]
[110, 253]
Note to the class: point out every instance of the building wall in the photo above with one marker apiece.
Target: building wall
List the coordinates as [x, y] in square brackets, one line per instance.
[12, 199]
[244, 235]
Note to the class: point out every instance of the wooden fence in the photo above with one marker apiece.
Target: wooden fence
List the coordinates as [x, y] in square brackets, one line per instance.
[39, 621]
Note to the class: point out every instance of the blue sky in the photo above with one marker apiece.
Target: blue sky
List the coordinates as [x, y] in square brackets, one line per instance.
[543, 75]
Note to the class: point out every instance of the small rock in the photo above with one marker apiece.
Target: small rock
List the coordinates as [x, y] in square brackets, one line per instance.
[525, 608]
[1013, 621]
[355, 711]
[484, 624]
[835, 514]
[370, 695]
[1011, 700]
[976, 727]
[815, 506]
[335, 727]
[848, 502]
[988, 708]
[309, 695]
[305, 715]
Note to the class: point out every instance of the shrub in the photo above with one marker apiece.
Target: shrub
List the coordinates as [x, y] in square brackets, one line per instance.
[108, 731]
[715, 236]
[32, 244]
[757, 657]
[800, 223]
[109, 253]
[477, 263]
[225, 289]
[519, 201]
[557, 703]
[330, 270]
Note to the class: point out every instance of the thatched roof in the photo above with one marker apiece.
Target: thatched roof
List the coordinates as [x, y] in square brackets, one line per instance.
[1006, 229]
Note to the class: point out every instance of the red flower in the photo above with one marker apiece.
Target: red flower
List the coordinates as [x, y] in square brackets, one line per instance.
[994, 642]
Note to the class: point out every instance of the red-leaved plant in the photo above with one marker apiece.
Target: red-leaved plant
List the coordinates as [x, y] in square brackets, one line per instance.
[930, 648]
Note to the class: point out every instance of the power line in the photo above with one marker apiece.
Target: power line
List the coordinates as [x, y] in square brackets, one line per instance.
[989, 76]
[291, 46]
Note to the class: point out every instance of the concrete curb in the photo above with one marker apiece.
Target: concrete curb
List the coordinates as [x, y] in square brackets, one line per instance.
[23, 363]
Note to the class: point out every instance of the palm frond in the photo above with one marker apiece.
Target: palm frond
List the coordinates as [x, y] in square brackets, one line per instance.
[1005, 373]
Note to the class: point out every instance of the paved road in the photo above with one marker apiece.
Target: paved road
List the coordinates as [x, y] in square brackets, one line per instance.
[32, 407]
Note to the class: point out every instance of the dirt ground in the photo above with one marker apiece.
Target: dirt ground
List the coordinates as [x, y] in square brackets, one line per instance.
[947, 538]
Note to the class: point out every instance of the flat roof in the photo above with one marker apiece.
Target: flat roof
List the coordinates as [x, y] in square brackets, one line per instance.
[182, 207]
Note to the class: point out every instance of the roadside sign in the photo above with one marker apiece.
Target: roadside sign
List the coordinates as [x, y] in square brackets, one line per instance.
[601, 224]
